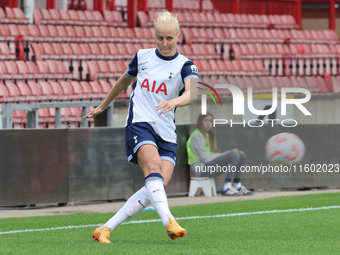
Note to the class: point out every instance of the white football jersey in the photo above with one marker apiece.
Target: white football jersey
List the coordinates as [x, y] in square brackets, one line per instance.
[158, 78]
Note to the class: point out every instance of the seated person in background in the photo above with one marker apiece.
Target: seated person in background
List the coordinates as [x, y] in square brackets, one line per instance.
[201, 147]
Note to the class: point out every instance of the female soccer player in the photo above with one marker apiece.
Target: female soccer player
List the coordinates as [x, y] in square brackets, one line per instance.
[201, 147]
[163, 83]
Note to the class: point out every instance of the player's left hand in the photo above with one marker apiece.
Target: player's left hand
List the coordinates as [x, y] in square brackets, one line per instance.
[166, 106]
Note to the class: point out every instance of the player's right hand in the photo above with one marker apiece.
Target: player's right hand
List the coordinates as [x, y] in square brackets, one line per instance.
[93, 114]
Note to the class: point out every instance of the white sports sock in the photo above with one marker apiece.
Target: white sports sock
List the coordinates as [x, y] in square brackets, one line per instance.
[156, 193]
[227, 185]
[237, 185]
[135, 204]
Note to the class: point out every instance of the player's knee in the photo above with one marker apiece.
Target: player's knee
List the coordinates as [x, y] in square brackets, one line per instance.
[155, 168]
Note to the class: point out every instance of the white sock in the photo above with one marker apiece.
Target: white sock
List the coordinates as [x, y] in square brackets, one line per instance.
[227, 185]
[156, 194]
[237, 185]
[135, 204]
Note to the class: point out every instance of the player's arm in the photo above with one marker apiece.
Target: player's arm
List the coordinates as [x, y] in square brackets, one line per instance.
[122, 83]
[189, 96]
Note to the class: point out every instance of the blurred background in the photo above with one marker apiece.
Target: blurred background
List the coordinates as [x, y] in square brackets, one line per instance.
[61, 58]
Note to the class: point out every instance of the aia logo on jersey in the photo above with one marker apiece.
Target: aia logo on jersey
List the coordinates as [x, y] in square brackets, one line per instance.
[155, 88]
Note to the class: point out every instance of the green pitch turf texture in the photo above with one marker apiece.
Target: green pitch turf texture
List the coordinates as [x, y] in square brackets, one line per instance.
[298, 232]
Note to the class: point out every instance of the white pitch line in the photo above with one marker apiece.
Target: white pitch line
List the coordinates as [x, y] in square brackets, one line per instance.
[180, 218]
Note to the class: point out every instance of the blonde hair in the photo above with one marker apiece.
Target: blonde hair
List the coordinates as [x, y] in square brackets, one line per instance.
[166, 18]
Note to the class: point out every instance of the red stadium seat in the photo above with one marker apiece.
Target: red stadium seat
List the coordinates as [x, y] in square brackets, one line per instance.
[5, 51]
[78, 89]
[142, 19]
[75, 36]
[105, 51]
[119, 19]
[114, 69]
[33, 70]
[114, 34]
[54, 33]
[87, 89]
[10, 15]
[106, 87]
[75, 114]
[68, 90]
[121, 68]
[37, 51]
[5, 97]
[65, 18]
[90, 18]
[124, 50]
[58, 50]
[98, 17]
[104, 69]
[77, 51]
[3, 18]
[23, 70]
[48, 52]
[106, 33]
[97, 89]
[82, 18]
[109, 18]
[34, 32]
[26, 91]
[12, 70]
[3, 71]
[13, 30]
[53, 69]
[80, 33]
[13, 91]
[44, 70]
[149, 35]
[95, 50]
[63, 34]
[97, 33]
[89, 34]
[86, 51]
[44, 33]
[56, 17]
[36, 90]
[73, 15]
[47, 19]
[93, 71]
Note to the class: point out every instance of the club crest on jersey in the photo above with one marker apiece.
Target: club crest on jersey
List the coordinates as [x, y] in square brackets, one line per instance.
[155, 88]
[171, 74]
[194, 69]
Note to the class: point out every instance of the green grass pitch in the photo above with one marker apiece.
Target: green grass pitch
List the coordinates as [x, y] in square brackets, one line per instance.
[293, 232]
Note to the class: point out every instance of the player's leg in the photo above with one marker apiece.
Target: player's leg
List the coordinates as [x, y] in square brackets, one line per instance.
[153, 169]
[135, 204]
[167, 171]
[151, 164]
[138, 201]
[173, 228]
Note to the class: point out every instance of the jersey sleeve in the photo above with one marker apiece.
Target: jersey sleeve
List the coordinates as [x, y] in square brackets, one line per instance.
[132, 69]
[189, 70]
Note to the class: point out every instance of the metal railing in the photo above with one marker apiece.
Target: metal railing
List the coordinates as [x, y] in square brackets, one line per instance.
[6, 112]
